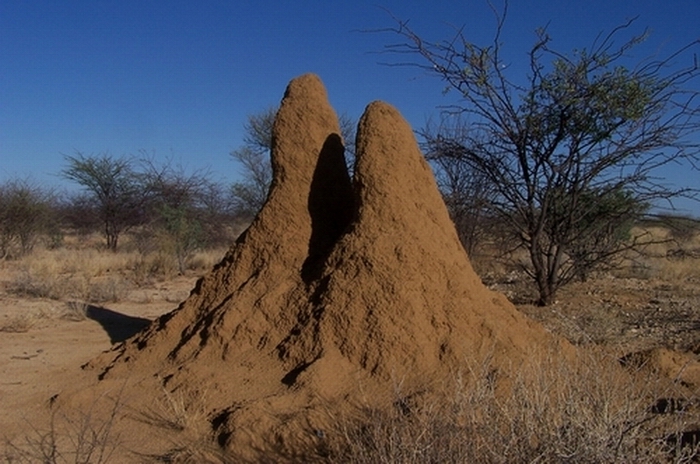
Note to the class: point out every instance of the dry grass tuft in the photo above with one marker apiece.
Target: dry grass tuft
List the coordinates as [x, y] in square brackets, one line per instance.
[24, 322]
[75, 311]
[587, 412]
[182, 418]
[97, 276]
[70, 436]
[18, 324]
[177, 411]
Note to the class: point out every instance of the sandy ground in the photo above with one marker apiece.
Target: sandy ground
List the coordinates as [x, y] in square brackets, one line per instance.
[43, 346]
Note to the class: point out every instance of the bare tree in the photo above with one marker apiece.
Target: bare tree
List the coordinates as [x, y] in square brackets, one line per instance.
[219, 221]
[113, 187]
[250, 193]
[579, 131]
[174, 208]
[25, 214]
[466, 191]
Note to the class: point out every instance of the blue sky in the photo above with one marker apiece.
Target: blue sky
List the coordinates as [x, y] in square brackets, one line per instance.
[178, 78]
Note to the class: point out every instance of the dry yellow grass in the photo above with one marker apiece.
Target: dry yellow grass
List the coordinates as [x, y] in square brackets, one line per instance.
[681, 269]
[86, 275]
[588, 411]
[669, 255]
[95, 275]
[19, 323]
[591, 411]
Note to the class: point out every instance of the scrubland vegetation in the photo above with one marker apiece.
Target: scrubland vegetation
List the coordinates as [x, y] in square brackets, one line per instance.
[588, 411]
[82, 276]
[591, 410]
[551, 191]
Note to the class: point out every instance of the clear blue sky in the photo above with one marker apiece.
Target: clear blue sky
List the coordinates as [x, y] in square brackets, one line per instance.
[178, 78]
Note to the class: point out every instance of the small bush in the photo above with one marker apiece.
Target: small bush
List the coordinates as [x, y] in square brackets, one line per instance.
[70, 436]
[75, 311]
[110, 289]
[26, 212]
[18, 324]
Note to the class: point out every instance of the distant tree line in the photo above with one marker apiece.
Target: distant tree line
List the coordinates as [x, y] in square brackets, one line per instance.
[161, 205]
[561, 163]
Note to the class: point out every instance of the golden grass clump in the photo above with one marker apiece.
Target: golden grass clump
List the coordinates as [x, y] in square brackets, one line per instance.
[97, 276]
[19, 323]
[684, 269]
[590, 411]
[87, 275]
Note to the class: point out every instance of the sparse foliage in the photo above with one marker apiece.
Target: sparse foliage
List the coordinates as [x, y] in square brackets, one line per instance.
[114, 189]
[174, 209]
[25, 213]
[80, 437]
[186, 211]
[250, 193]
[219, 221]
[571, 149]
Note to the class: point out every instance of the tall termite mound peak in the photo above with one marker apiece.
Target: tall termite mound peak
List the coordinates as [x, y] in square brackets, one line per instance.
[250, 300]
[337, 292]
